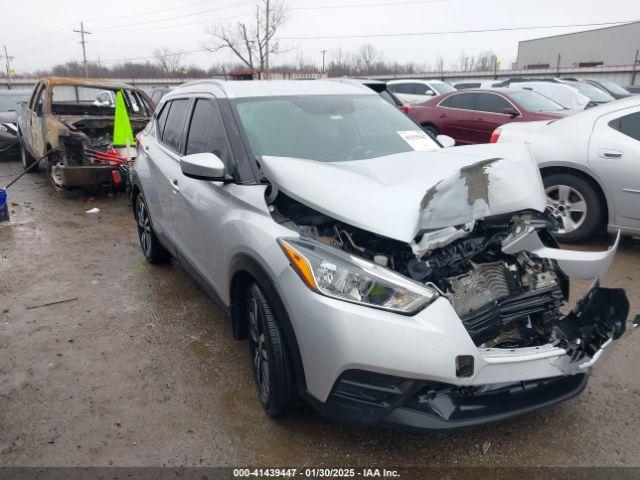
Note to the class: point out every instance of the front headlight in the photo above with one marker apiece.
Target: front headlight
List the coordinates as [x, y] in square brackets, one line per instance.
[337, 274]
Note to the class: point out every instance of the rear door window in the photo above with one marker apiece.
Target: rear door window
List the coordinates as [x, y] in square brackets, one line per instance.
[206, 131]
[489, 102]
[464, 101]
[629, 125]
[162, 118]
[402, 88]
[174, 125]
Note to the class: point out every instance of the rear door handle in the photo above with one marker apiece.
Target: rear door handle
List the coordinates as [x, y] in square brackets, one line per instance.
[174, 184]
[443, 115]
[611, 153]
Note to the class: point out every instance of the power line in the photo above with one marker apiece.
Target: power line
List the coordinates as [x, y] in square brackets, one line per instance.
[454, 32]
[198, 22]
[82, 33]
[202, 12]
[391, 4]
[152, 12]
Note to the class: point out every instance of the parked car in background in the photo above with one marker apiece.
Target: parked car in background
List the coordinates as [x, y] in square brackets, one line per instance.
[65, 114]
[380, 277]
[9, 100]
[612, 88]
[635, 89]
[418, 91]
[466, 84]
[549, 87]
[590, 165]
[471, 116]
[379, 87]
[156, 94]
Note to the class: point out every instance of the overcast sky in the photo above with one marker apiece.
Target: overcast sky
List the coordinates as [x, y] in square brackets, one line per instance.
[38, 33]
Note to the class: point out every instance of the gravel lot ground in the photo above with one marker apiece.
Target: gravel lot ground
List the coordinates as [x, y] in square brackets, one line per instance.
[139, 369]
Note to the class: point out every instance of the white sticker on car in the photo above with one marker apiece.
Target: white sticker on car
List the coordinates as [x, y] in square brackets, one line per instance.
[417, 140]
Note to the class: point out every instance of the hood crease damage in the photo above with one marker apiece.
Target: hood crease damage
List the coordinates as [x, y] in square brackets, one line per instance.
[478, 235]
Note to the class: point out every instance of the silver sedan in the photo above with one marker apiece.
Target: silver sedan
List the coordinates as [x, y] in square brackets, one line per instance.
[590, 165]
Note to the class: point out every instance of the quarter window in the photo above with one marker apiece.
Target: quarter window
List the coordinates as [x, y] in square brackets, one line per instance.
[629, 125]
[172, 132]
[206, 132]
[488, 102]
[461, 100]
[162, 118]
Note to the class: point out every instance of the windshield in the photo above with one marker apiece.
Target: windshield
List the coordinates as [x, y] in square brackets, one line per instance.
[613, 87]
[85, 100]
[535, 102]
[442, 87]
[9, 101]
[592, 93]
[329, 128]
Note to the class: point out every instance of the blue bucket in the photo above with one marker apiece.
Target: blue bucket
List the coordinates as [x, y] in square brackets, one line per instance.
[4, 207]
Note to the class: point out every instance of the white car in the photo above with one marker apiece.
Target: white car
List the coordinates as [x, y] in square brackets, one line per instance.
[590, 165]
[417, 91]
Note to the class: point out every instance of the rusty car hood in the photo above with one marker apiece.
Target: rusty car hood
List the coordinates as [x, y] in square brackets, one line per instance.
[401, 195]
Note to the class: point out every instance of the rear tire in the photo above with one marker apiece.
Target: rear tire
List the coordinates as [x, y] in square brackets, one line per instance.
[26, 158]
[272, 372]
[151, 247]
[575, 203]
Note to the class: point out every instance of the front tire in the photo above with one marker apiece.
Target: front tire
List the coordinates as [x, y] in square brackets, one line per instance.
[269, 357]
[151, 247]
[575, 203]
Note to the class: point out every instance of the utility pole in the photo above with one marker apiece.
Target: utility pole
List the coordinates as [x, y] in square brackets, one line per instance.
[7, 59]
[633, 75]
[323, 52]
[82, 33]
[266, 42]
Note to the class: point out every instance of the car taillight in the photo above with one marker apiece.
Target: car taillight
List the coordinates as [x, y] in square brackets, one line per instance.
[405, 108]
[495, 136]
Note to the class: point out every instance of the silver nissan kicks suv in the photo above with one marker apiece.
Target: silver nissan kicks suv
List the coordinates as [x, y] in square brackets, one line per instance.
[377, 275]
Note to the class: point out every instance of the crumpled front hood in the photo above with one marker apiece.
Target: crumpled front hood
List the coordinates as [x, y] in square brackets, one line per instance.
[399, 196]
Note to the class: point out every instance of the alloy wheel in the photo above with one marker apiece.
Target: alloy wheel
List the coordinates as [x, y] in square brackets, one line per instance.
[144, 228]
[258, 347]
[568, 206]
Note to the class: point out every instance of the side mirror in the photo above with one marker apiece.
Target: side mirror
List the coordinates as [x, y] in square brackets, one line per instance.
[513, 113]
[446, 141]
[203, 166]
[429, 93]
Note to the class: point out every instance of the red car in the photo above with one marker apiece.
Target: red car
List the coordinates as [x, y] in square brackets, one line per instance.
[471, 116]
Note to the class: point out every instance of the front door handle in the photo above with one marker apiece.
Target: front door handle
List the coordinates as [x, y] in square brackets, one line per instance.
[174, 184]
[443, 115]
[611, 153]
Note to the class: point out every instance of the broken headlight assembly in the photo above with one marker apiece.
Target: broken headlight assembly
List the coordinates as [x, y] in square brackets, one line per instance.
[337, 274]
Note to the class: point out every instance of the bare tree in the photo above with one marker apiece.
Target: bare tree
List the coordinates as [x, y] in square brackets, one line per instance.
[251, 43]
[368, 57]
[169, 61]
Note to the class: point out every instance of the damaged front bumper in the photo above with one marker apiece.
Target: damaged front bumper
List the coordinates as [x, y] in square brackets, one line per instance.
[373, 367]
[85, 175]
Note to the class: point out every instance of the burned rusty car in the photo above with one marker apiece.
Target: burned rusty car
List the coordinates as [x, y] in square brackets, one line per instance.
[73, 119]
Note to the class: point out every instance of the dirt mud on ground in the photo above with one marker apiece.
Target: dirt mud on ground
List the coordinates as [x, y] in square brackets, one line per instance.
[138, 367]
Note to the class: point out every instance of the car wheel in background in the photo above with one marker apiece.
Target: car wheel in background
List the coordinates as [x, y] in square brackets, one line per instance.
[575, 203]
[26, 158]
[151, 247]
[431, 130]
[269, 358]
